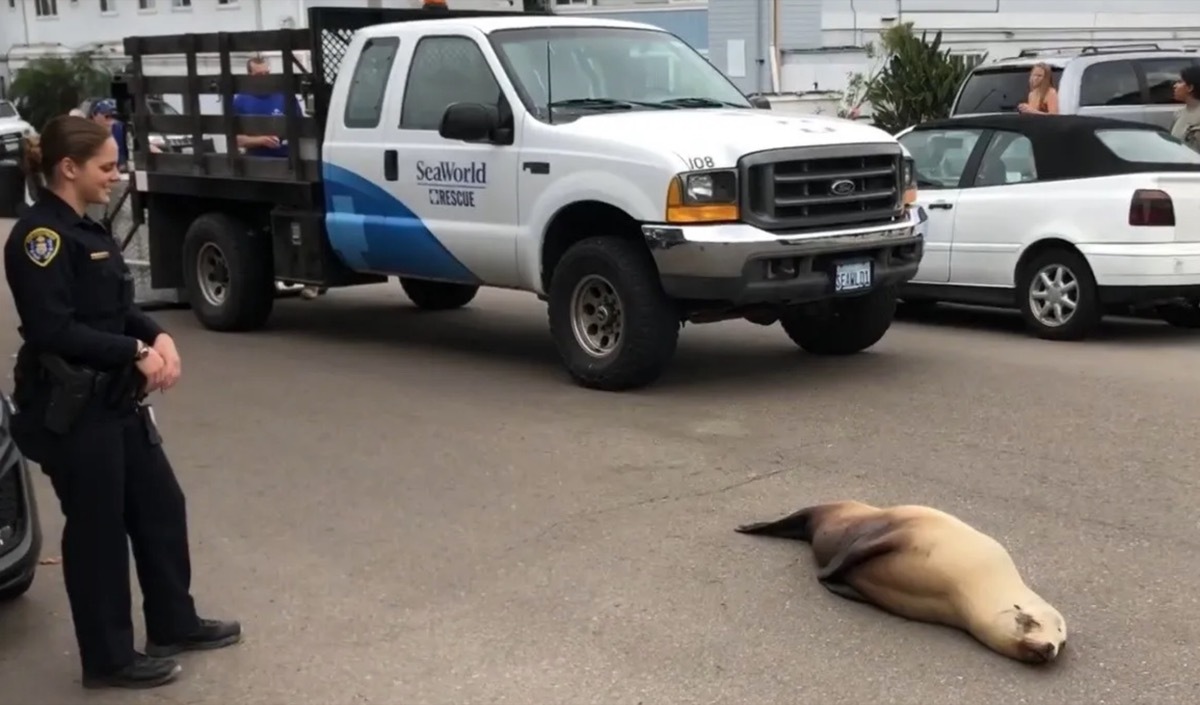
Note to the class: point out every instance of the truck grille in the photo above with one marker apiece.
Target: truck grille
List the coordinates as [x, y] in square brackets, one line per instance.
[810, 188]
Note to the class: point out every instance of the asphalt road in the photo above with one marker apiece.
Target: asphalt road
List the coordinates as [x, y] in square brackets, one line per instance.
[418, 508]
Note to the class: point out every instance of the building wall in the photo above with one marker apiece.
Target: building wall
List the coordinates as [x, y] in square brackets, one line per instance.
[741, 34]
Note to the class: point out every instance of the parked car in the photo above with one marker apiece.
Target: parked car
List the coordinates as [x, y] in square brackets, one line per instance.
[166, 143]
[20, 526]
[1130, 82]
[12, 129]
[1065, 217]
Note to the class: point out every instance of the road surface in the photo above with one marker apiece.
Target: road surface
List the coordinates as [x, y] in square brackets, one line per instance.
[418, 508]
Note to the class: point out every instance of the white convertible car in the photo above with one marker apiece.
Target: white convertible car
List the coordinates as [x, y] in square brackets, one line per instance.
[1064, 217]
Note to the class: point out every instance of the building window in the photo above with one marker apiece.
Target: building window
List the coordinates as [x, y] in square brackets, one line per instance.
[227, 3]
[146, 5]
[181, 4]
[12, 4]
[46, 8]
[108, 7]
[583, 3]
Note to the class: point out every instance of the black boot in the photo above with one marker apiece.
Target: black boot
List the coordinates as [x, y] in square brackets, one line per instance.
[211, 634]
[144, 672]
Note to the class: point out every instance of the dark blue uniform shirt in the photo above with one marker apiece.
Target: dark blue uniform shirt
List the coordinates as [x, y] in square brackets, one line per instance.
[72, 288]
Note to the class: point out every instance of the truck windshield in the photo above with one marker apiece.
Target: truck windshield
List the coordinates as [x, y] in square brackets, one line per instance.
[7, 110]
[997, 90]
[594, 69]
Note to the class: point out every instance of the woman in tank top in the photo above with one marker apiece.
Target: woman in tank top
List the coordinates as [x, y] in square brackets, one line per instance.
[1042, 98]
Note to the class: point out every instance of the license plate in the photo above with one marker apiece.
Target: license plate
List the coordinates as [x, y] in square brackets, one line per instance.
[851, 276]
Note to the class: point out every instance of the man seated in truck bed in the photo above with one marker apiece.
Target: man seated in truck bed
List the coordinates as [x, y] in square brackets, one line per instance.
[269, 104]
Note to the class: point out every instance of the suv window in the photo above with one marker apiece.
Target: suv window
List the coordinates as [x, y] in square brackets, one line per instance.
[1007, 160]
[1161, 75]
[995, 90]
[940, 156]
[445, 70]
[1110, 83]
[7, 110]
[364, 100]
[1147, 146]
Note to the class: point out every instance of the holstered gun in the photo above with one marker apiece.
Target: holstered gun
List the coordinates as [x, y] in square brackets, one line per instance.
[71, 388]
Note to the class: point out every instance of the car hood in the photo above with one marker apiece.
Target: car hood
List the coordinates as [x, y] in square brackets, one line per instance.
[16, 124]
[723, 135]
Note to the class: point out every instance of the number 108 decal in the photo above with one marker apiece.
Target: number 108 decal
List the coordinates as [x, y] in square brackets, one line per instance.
[701, 162]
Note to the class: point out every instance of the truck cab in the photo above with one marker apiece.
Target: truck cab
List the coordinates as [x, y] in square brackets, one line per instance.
[601, 165]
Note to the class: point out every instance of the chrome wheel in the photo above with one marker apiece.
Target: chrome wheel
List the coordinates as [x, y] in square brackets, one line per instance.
[596, 316]
[1054, 295]
[212, 273]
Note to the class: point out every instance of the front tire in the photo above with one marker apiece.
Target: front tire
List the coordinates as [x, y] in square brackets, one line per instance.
[1058, 296]
[842, 326]
[228, 273]
[612, 324]
[438, 296]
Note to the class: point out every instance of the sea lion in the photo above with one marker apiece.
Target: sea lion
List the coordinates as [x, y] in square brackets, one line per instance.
[924, 564]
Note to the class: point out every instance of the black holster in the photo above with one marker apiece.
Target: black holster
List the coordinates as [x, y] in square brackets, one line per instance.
[71, 387]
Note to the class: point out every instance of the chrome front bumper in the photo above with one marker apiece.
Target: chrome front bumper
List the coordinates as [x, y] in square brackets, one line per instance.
[739, 263]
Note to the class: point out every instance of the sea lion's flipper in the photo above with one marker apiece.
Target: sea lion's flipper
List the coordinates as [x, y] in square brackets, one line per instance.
[796, 526]
[842, 590]
[872, 540]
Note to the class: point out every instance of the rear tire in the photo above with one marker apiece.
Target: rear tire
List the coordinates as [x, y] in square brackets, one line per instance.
[843, 326]
[438, 296]
[612, 324]
[228, 273]
[1063, 277]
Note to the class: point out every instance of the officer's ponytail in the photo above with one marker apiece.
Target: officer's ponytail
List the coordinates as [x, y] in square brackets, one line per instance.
[31, 162]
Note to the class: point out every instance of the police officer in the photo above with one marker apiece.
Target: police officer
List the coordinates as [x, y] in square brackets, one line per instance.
[89, 358]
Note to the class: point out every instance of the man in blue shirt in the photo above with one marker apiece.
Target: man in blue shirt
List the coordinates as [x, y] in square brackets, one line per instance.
[269, 104]
[104, 112]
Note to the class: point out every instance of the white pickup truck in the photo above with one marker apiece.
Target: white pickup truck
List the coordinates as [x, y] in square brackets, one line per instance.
[604, 166]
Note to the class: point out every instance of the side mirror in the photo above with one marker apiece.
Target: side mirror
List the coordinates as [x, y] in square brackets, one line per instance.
[760, 102]
[469, 122]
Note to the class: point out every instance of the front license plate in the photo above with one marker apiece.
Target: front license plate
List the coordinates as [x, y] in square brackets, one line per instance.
[852, 276]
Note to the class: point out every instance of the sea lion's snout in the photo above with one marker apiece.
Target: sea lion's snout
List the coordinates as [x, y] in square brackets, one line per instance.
[1041, 652]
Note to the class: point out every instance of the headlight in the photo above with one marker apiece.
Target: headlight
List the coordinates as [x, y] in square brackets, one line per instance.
[703, 197]
[908, 174]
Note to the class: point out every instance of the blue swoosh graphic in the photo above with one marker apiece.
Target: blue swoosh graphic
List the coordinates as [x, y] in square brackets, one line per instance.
[372, 231]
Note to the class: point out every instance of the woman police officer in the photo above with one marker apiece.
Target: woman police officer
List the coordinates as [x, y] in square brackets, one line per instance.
[95, 439]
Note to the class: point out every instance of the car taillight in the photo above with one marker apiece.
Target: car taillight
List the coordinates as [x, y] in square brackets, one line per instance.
[1151, 207]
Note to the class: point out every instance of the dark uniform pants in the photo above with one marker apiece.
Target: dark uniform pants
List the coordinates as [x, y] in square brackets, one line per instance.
[113, 479]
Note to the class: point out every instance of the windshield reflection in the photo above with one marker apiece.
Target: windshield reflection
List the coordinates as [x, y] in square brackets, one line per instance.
[580, 70]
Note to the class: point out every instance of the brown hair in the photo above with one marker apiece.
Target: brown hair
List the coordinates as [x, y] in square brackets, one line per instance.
[64, 137]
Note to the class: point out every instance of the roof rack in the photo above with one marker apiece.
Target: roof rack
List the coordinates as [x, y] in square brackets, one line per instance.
[1093, 49]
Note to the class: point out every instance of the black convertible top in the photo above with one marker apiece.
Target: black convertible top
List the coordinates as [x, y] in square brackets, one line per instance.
[1065, 146]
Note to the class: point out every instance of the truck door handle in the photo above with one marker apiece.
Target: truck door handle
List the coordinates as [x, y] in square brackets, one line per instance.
[943, 205]
[391, 165]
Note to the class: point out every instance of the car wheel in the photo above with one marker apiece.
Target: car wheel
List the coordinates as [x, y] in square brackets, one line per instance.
[613, 325]
[1058, 296]
[228, 273]
[841, 326]
[1185, 314]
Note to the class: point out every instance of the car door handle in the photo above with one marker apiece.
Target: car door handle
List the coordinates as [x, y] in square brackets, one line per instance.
[943, 205]
[391, 165]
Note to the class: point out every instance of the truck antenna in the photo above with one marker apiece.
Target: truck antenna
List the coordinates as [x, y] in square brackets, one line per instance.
[549, 84]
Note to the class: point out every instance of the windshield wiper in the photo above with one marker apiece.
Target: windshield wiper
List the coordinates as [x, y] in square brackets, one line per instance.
[605, 104]
[700, 103]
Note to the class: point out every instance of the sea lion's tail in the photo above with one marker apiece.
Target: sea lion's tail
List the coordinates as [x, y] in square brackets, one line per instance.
[796, 526]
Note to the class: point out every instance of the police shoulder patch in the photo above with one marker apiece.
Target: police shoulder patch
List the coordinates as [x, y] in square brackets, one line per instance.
[42, 246]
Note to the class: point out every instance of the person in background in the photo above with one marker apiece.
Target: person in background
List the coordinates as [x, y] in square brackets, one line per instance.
[88, 357]
[1042, 98]
[104, 112]
[1187, 121]
[266, 145]
[262, 104]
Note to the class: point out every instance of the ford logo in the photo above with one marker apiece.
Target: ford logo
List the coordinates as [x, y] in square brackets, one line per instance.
[842, 187]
